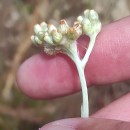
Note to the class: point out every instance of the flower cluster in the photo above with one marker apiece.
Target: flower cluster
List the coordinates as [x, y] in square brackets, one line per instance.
[90, 22]
[59, 39]
[63, 39]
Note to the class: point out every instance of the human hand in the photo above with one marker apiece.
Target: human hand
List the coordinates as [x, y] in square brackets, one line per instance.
[43, 77]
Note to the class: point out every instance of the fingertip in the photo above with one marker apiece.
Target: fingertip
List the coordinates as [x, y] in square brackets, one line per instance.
[32, 77]
[26, 79]
[45, 77]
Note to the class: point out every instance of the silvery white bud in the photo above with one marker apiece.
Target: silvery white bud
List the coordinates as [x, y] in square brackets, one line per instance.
[93, 15]
[38, 41]
[80, 19]
[51, 28]
[44, 27]
[41, 35]
[86, 26]
[63, 27]
[86, 13]
[48, 38]
[37, 29]
[86, 22]
[56, 36]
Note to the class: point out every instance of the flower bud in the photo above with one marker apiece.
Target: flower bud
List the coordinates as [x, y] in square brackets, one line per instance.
[51, 28]
[93, 15]
[80, 19]
[63, 27]
[41, 35]
[71, 33]
[48, 38]
[44, 27]
[86, 13]
[37, 29]
[78, 28]
[86, 26]
[56, 36]
[74, 33]
[36, 40]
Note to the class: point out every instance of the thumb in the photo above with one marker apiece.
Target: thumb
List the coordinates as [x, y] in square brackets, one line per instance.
[87, 124]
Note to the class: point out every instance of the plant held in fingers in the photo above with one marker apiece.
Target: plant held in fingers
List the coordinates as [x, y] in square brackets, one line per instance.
[63, 39]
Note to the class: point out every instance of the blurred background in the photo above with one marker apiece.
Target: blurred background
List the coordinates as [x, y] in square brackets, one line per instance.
[17, 18]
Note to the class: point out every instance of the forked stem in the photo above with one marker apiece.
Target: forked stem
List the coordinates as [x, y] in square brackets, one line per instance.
[89, 50]
[85, 103]
[80, 64]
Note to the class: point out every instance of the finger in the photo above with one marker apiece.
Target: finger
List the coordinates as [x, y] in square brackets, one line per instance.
[87, 124]
[115, 116]
[44, 76]
[119, 110]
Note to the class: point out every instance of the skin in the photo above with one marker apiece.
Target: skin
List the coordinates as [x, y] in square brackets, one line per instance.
[45, 77]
